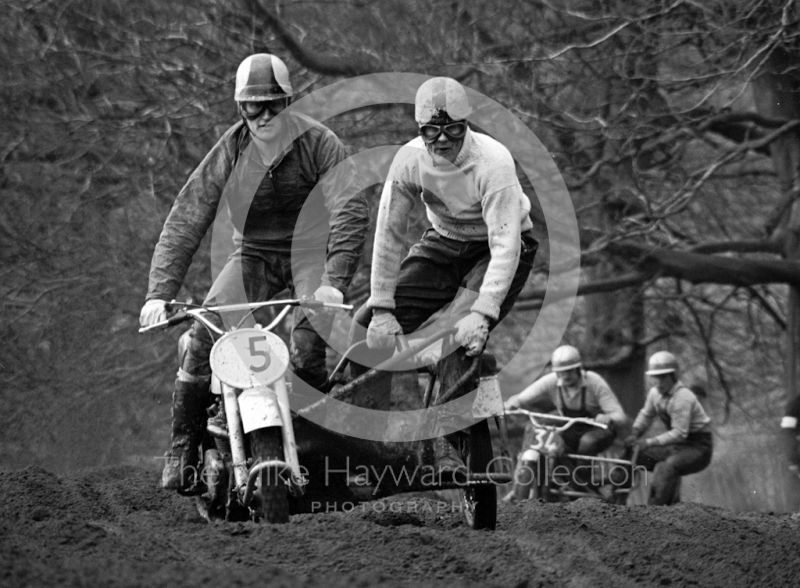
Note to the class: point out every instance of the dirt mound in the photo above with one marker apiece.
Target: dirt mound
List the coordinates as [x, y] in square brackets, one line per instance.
[114, 527]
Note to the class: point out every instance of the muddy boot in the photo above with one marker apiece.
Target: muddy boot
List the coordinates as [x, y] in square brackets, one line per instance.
[189, 416]
[445, 454]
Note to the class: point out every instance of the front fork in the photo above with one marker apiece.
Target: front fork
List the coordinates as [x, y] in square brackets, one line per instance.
[252, 409]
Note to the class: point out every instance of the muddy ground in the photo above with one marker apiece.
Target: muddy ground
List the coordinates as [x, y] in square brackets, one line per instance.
[114, 527]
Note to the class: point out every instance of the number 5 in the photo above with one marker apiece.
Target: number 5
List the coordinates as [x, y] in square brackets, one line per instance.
[258, 353]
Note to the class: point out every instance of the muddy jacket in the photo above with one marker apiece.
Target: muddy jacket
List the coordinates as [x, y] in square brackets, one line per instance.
[266, 203]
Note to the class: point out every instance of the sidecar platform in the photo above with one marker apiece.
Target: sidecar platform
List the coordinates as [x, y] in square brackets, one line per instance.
[343, 470]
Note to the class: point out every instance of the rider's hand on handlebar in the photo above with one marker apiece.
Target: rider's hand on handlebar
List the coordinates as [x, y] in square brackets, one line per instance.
[382, 330]
[329, 294]
[635, 442]
[153, 312]
[631, 440]
[511, 404]
[472, 333]
[603, 419]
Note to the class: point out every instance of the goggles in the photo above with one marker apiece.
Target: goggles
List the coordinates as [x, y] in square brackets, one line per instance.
[454, 131]
[252, 110]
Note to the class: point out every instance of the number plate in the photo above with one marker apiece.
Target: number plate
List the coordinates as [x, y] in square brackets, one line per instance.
[249, 357]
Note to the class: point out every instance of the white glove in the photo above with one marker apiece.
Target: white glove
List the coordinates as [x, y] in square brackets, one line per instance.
[154, 311]
[382, 330]
[329, 294]
[473, 331]
[603, 419]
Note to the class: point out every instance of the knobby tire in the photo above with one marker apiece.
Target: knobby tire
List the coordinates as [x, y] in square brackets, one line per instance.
[480, 502]
[272, 504]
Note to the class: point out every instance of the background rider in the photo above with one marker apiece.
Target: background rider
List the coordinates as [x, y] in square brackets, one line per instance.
[576, 393]
[687, 445]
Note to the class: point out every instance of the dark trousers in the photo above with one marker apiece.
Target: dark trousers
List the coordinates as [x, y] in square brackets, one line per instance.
[669, 462]
[436, 271]
[585, 439]
[579, 438]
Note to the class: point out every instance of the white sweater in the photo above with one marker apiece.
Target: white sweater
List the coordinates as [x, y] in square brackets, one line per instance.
[477, 198]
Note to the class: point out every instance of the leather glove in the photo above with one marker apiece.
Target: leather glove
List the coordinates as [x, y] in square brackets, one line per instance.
[473, 331]
[603, 419]
[154, 311]
[382, 330]
[329, 294]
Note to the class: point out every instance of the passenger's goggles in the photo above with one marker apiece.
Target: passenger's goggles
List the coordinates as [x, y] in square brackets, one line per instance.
[253, 110]
[454, 131]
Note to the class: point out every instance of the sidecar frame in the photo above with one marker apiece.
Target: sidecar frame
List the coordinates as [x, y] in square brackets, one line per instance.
[322, 451]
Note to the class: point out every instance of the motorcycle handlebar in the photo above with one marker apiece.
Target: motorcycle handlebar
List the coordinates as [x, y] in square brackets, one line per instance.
[191, 311]
[568, 421]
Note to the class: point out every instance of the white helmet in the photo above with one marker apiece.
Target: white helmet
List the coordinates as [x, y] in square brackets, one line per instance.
[441, 98]
[262, 77]
[662, 362]
[565, 358]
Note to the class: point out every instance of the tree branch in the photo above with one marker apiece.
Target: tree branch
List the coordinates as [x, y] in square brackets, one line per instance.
[699, 268]
[325, 64]
[534, 300]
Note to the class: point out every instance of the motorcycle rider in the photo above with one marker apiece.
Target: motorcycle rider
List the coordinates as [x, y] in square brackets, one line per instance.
[575, 393]
[687, 445]
[265, 179]
[478, 252]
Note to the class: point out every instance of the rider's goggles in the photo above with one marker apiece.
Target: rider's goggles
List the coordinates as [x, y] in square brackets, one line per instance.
[254, 110]
[455, 131]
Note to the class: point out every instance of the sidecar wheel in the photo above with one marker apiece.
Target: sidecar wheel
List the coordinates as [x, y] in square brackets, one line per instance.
[479, 502]
[271, 500]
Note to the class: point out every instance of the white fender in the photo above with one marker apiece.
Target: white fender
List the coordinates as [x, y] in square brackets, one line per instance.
[259, 408]
[529, 455]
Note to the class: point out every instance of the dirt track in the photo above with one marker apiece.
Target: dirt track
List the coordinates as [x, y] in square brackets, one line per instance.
[113, 527]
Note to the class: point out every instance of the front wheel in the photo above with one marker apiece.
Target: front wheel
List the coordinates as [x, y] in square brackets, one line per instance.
[541, 485]
[479, 502]
[270, 501]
